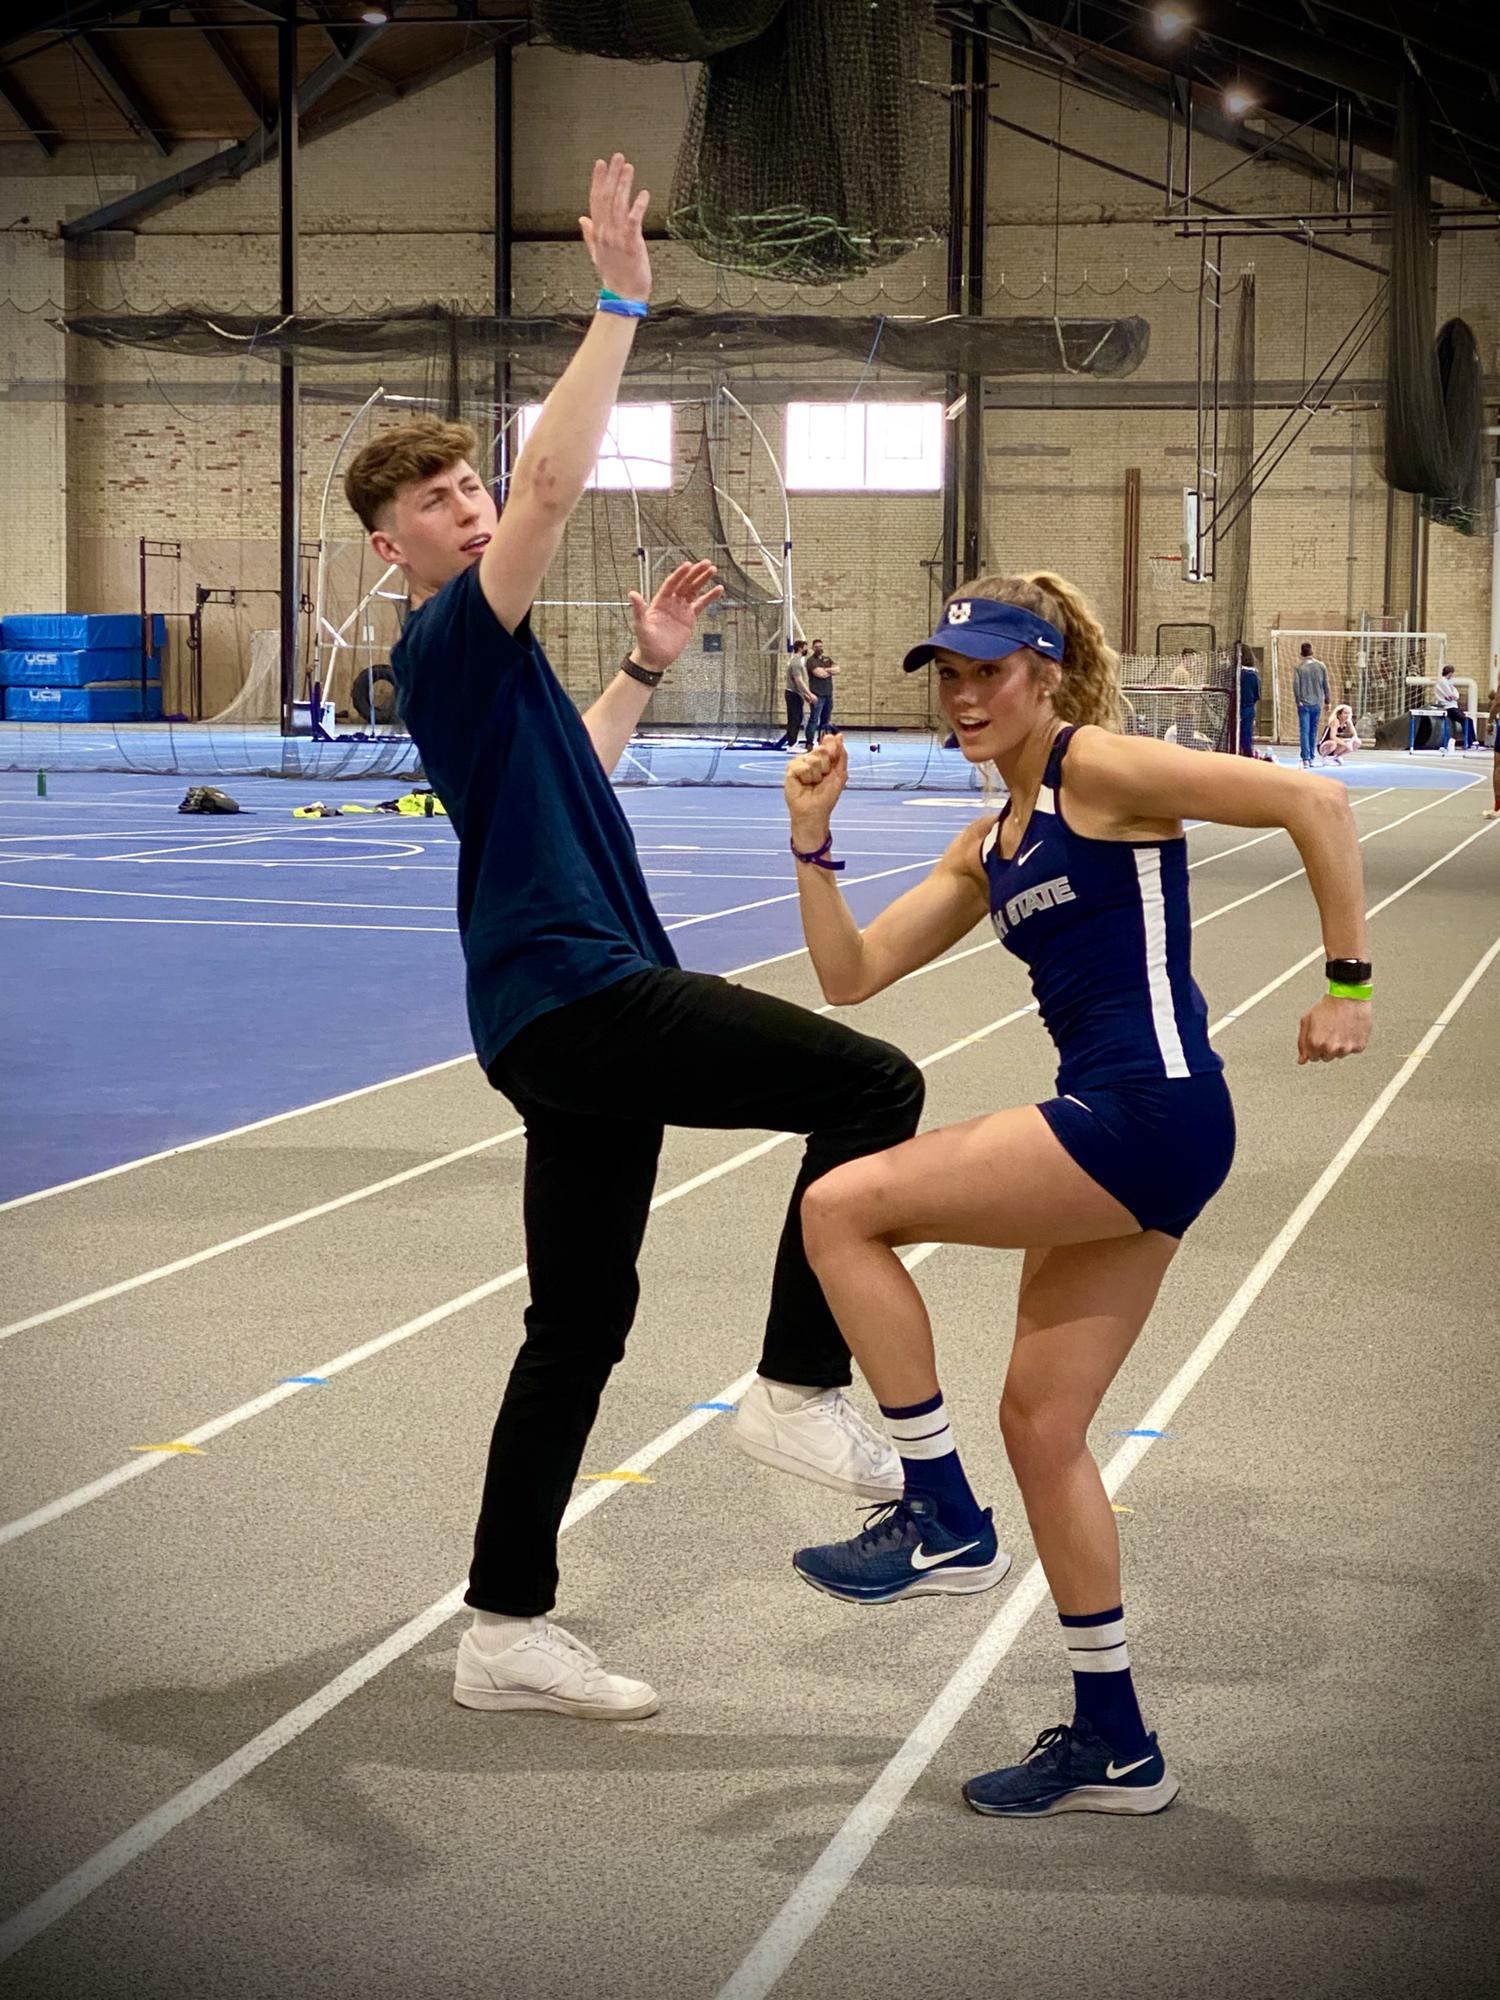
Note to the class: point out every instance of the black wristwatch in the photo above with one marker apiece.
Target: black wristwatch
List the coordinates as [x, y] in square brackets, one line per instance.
[642, 674]
[1348, 978]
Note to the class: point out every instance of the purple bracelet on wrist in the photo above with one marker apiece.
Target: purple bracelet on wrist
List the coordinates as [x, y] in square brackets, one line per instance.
[819, 858]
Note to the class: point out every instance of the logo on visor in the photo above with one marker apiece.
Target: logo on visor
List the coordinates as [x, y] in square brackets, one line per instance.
[960, 614]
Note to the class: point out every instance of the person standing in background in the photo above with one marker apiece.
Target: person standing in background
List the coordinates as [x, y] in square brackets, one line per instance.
[820, 673]
[1494, 729]
[797, 693]
[1310, 686]
[1249, 689]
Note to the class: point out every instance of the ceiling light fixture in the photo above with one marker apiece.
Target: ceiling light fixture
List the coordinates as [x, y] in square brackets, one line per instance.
[1170, 22]
[1238, 101]
[376, 17]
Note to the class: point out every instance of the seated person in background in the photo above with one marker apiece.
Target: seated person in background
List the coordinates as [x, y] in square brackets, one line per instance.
[1339, 736]
[1451, 702]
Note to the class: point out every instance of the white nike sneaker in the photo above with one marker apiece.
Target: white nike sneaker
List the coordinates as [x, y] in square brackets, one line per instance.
[824, 1439]
[548, 1669]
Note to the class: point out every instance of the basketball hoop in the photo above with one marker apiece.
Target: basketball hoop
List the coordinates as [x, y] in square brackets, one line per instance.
[1165, 571]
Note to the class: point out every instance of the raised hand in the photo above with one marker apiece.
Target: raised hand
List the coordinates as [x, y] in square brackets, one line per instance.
[664, 626]
[812, 786]
[612, 229]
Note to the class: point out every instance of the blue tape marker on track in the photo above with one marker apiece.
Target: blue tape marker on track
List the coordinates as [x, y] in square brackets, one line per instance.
[1141, 1434]
[320, 1380]
[716, 1406]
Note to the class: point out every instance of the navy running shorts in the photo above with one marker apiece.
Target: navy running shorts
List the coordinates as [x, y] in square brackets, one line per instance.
[1162, 1149]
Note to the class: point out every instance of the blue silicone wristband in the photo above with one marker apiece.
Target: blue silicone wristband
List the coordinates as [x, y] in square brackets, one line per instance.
[611, 302]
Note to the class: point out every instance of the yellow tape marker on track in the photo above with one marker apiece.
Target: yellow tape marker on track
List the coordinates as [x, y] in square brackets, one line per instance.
[626, 1478]
[1115, 1508]
[195, 1449]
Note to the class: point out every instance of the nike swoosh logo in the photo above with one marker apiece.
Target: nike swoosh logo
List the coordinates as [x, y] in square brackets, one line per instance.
[1022, 859]
[921, 1560]
[1124, 1770]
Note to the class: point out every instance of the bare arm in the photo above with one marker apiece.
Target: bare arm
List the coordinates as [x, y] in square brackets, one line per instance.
[851, 964]
[1125, 782]
[662, 628]
[553, 470]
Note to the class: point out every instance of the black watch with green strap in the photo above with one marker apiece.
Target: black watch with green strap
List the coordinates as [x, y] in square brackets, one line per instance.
[1349, 978]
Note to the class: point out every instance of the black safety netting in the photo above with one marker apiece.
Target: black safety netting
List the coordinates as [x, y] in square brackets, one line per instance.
[1467, 505]
[811, 153]
[536, 348]
[653, 30]
[1434, 403]
[1234, 508]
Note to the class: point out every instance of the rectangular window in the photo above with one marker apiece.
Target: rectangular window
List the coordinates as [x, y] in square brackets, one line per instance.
[637, 448]
[864, 447]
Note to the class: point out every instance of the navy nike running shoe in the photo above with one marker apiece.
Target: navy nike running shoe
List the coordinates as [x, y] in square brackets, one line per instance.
[1072, 1769]
[905, 1551]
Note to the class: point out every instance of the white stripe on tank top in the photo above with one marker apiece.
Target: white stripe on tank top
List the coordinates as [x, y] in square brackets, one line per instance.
[1159, 985]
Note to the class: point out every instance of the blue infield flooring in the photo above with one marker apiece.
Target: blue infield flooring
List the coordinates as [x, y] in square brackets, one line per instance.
[170, 977]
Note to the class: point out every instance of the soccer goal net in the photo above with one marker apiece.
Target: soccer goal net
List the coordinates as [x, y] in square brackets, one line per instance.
[1382, 675]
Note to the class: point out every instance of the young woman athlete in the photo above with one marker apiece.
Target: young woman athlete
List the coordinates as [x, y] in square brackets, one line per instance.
[1084, 876]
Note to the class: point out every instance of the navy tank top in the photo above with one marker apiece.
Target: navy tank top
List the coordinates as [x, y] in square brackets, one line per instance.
[1104, 930]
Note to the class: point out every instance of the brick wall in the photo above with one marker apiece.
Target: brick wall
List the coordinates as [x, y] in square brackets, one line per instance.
[397, 209]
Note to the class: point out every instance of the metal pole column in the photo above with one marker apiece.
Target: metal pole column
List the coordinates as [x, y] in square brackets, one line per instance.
[958, 145]
[979, 209]
[291, 494]
[504, 240]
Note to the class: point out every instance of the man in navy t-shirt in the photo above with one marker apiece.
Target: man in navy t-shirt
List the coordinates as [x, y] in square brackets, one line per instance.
[580, 1012]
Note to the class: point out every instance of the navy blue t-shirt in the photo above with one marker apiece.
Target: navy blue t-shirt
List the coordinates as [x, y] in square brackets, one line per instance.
[551, 901]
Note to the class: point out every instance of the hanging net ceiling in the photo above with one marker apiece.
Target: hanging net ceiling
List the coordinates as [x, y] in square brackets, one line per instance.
[653, 30]
[674, 339]
[811, 151]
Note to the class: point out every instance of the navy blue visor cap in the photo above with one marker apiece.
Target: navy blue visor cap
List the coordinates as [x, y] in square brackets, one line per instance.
[981, 628]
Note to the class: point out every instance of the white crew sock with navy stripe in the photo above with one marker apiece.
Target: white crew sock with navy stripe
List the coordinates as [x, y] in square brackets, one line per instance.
[1103, 1691]
[923, 1437]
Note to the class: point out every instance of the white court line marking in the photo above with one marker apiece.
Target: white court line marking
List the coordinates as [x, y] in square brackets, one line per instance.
[176, 848]
[214, 1250]
[186, 896]
[431, 1069]
[310, 924]
[222, 923]
[301, 1111]
[804, 1910]
[134, 1468]
[814, 1896]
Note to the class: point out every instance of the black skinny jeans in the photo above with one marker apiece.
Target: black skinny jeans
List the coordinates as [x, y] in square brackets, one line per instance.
[793, 716]
[596, 1082]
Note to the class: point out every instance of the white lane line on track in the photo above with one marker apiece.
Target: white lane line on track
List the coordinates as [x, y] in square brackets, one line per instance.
[69, 1502]
[65, 1895]
[814, 1896]
[300, 1111]
[804, 1910]
[258, 1235]
[137, 1467]
[213, 1250]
